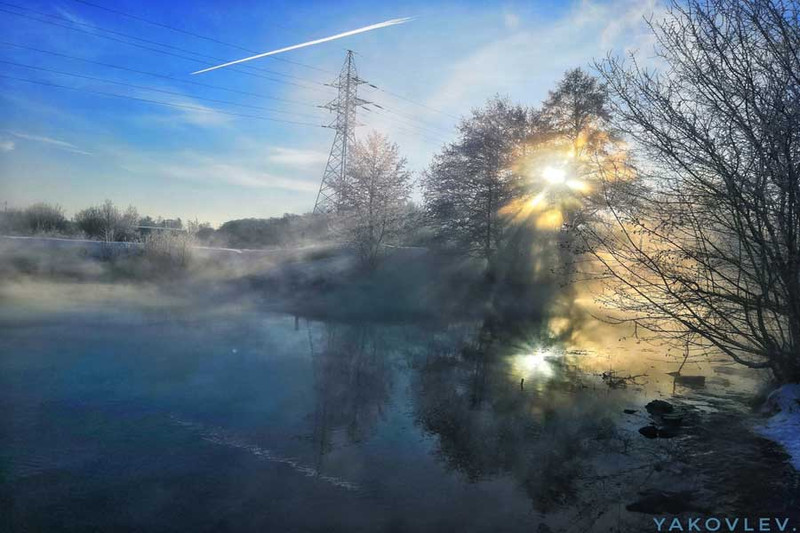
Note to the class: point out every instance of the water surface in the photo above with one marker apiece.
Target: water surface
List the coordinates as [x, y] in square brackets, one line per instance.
[121, 414]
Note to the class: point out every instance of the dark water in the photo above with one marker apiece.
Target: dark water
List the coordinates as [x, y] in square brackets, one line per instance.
[123, 418]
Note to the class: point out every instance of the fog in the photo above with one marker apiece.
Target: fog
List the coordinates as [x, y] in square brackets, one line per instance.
[384, 398]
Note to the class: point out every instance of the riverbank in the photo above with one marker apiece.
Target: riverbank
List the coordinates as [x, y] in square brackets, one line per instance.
[783, 425]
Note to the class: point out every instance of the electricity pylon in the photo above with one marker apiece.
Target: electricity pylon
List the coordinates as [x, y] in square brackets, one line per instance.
[332, 190]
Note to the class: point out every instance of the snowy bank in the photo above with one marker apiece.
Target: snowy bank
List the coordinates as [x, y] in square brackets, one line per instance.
[783, 425]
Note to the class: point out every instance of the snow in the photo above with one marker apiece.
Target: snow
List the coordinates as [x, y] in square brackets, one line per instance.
[783, 426]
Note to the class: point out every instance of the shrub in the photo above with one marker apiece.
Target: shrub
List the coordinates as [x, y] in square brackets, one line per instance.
[107, 223]
[37, 218]
[45, 218]
[288, 230]
[169, 250]
[12, 222]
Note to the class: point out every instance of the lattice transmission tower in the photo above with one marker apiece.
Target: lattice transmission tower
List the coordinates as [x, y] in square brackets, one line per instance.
[332, 190]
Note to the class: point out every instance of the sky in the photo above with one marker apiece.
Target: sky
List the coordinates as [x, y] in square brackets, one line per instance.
[249, 141]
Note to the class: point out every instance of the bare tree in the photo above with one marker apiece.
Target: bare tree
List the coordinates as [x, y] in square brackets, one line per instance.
[706, 248]
[107, 223]
[471, 179]
[378, 188]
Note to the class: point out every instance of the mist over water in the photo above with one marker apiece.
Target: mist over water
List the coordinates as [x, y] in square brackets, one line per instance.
[162, 407]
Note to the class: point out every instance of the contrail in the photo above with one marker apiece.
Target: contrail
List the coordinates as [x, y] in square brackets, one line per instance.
[312, 43]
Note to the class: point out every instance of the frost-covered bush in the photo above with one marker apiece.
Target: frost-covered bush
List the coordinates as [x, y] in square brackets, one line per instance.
[171, 250]
[108, 223]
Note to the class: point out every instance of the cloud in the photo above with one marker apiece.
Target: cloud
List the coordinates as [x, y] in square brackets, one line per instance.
[184, 112]
[180, 109]
[207, 169]
[293, 157]
[64, 145]
[526, 61]
[69, 15]
[200, 115]
[511, 20]
[6, 146]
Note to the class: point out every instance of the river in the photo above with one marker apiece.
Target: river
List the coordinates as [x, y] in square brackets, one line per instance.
[124, 409]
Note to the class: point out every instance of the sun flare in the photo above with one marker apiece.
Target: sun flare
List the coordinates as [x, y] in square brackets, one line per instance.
[554, 175]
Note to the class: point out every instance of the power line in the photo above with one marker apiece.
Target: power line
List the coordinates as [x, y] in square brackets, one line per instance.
[158, 102]
[197, 35]
[385, 109]
[401, 97]
[211, 39]
[407, 116]
[410, 120]
[140, 39]
[158, 50]
[164, 91]
[410, 129]
[156, 75]
[165, 52]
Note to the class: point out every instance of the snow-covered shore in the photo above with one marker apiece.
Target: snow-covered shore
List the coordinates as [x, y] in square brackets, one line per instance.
[783, 424]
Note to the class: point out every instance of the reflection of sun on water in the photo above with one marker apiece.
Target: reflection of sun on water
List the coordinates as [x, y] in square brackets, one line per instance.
[533, 365]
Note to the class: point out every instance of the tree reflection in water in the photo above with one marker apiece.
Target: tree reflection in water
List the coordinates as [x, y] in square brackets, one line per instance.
[546, 433]
[352, 383]
[516, 401]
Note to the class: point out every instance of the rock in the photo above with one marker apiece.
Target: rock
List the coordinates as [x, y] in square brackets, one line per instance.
[668, 432]
[672, 419]
[654, 432]
[693, 382]
[659, 407]
[651, 432]
[656, 502]
[629, 411]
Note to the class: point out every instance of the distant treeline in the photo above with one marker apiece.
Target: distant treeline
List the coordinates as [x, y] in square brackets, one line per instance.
[267, 232]
[107, 222]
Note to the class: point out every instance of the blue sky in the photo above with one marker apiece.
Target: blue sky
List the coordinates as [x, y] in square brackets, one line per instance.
[76, 147]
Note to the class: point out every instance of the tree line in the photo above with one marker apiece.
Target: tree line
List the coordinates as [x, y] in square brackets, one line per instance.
[681, 183]
[104, 222]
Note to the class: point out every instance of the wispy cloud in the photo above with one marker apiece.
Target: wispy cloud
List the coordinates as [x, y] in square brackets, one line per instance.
[511, 20]
[182, 110]
[229, 171]
[64, 145]
[199, 114]
[6, 146]
[293, 157]
[532, 57]
[69, 15]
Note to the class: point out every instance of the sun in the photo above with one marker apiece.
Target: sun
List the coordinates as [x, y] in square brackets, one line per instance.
[554, 175]
[559, 191]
